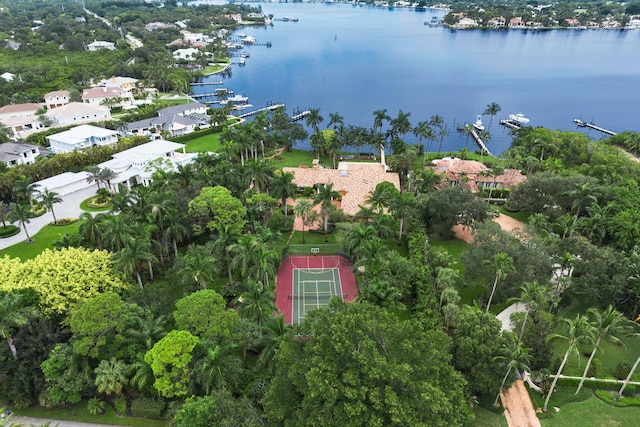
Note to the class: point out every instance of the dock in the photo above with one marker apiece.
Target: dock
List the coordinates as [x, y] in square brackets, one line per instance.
[299, 115]
[582, 124]
[510, 124]
[219, 82]
[209, 95]
[260, 110]
[479, 141]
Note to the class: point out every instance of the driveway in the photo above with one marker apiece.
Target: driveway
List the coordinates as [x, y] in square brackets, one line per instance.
[31, 421]
[69, 208]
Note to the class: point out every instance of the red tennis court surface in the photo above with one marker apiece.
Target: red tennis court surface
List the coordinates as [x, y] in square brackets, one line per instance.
[284, 279]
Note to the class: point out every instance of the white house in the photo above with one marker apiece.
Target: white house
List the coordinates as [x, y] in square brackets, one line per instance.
[16, 153]
[65, 183]
[78, 112]
[188, 54]
[57, 98]
[124, 84]
[20, 118]
[133, 166]
[8, 76]
[81, 137]
[98, 95]
[19, 110]
[177, 120]
[97, 45]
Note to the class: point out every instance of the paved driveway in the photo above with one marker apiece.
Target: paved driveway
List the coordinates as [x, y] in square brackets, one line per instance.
[31, 421]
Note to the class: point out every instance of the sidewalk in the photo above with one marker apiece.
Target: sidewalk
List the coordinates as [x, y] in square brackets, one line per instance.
[31, 421]
[69, 208]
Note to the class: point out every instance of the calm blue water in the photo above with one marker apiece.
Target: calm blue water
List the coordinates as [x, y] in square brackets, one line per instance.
[358, 59]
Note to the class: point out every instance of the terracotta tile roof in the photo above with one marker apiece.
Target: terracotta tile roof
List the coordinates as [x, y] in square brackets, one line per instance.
[475, 172]
[19, 108]
[354, 180]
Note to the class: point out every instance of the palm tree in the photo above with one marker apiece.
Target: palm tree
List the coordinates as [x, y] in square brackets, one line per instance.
[517, 357]
[174, 228]
[314, 119]
[146, 330]
[130, 258]
[381, 197]
[94, 175]
[402, 206]
[219, 368]
[380, 117]
[25, 189]
[4, 211]
[378, 142]
[532, 295]
[273, 332]
[423, 130]
[107, 175]
[13, 314]
[48, 199]
[111, 376]
[91, 228]
[502, 264]
[302, 209]
[631, 372]
[336, 120]
[259, 174]
[21, 213]
[579, 331]
[401, 124]
[226, 237]
[198, 266]
[355, 237]
[244, 254]
[324, 197]
[283, 187]
[116, 229]
[257, 304]
[608, 324]
[492, 109]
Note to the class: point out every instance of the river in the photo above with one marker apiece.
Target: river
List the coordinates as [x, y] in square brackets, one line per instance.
[357, 59]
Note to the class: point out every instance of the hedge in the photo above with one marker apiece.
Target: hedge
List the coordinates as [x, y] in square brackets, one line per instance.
[8, 231]
[623, 402]
[147, 408]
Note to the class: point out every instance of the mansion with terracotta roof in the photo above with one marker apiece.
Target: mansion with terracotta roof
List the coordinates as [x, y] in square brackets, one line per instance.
[473, 175]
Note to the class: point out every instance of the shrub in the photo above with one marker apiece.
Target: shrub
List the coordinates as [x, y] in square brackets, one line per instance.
[63, 221]
[95, 406]
[8, 231]
[103, 192]
[594, 367]
[624, 401]
[99, 202]
[147, 408]
[622, 370]
[120, 405]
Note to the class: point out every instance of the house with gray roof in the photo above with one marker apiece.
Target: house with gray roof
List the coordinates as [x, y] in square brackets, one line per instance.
[81, 137]
[177, 120]
[17, 153]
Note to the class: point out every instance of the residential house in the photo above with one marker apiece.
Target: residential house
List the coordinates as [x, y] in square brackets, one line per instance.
[19, 110]
[572, 23]
[633, 24]
[188, 54]
[81, 137]
[153, 26]
[466, 23]
[123, 84]
[473, 175]
[20, 118]
[516, 23]
[98, 45]
[354, 181]
[12, 45]
[177, 120]
[137, 165]
[498, 22]
[78, 112]
[8, 76]
[106, 96]
[56, 98]
[65, 183]
[17, 153]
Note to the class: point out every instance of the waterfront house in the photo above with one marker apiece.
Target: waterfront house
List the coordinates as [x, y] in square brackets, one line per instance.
[353, 180]
[122, 84]
[495, 23]
[177, 120]
[81, 137]
[20, 118]
[473, 175]
[517, 23]
[18, 153]
[78, 112]
[107, 96]
[572, 22]
[57, 98]
[98, 45]
[187, 54]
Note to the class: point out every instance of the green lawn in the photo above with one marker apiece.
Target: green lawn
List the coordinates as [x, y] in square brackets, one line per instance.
[520, 216]
[293, 158]
[592, 413]
[312, 238]
[42, 240]
[485, 418]
[81, 414]
[203, 144]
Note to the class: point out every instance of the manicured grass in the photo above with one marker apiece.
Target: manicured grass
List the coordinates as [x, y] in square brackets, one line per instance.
[312, 238]
[81, 414]
[212, 69]
[485, 418]
[42, 240]
[561, 396]
[293, 158]
[203, 144]
[84, 205]
[520, 216]
[592, 413]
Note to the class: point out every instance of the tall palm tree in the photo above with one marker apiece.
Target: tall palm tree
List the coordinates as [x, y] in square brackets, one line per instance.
[4, 211]
[580, 331]
[631, 372]
[197, 265]
[377, 141]
[21, 213]
[257, 304]
[116, 229]
[302, 209]
[381, 197]
[94, 175]
[219, 368]
[48, 199]
[357, 236]
[335, 120]
[402, 206]
[423, 130]
[502, 264]
[314, 119]
[380, 116]
[146, 330]
[107, 175]
[492, 109]
[259, 175]
[274, 330]
[25, 189]
[244, 254]
[13, 314]
[91, 228]
[516, 356]
[533, 296]
[608, 324]
[130, 258]
[174, 228]
[227, 236]
[401, 124]
[284, 188]
[111, 376]
[324, 197]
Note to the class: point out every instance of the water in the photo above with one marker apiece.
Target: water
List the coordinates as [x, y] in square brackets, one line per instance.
[357, 59]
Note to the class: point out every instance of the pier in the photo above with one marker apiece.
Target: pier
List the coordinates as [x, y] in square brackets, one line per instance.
[510, 124]
[260, 110]
[480, 143]
[299, 116]
[219, 82]
[582, 124]
[209, 95]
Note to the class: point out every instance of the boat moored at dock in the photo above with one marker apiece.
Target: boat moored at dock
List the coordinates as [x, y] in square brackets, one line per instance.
[478, 124]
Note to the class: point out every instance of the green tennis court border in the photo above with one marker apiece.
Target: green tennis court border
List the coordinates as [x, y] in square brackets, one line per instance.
[313, 288]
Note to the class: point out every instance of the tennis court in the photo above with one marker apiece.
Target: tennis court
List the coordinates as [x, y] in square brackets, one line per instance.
[313, 288]
[305, 283]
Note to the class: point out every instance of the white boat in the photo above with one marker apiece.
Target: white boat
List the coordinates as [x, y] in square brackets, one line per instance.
[519, 119]
[248, 40]
[237, 99]
[478, 124]
[245, 54]
[241, 61]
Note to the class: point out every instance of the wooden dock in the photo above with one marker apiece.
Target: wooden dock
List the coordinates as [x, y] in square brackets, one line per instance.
[582, 124]
[299, 116]
[510, 124]
[219, 82]
[480, 143]
[260, 110]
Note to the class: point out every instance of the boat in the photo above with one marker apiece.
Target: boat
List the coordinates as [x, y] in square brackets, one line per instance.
[236, 99]
[478, 124]
[245, 54]
[248, 40]
[519, 119]
[241, 61]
